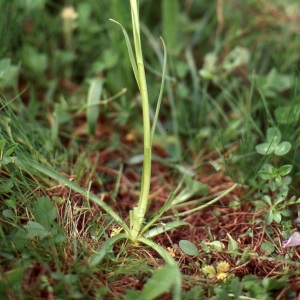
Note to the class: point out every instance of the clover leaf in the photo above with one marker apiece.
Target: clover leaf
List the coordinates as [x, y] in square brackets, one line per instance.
[274, 144]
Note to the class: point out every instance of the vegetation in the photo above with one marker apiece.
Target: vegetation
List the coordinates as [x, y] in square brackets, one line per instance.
[149, 150]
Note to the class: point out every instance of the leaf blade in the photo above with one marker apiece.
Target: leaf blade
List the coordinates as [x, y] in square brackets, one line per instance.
[160, 282]
[44, 211]
[92, 111]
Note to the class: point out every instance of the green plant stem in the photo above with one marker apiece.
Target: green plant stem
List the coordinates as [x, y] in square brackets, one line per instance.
[138, 213]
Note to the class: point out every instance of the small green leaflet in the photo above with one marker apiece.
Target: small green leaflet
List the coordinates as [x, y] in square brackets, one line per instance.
[44, 211]
[188, 247]
[35, 229]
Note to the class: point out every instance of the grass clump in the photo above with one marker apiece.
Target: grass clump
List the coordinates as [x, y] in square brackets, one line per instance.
[82, 209]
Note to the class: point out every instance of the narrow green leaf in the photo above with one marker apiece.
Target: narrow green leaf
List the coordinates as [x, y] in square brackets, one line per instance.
[104, 249]
[186, 170]
[177, 278]
[2, 145]
[164, 227]
[10, 150]
[192, 188]
[160, 92]
[159, 213]
[92, 111]
[170, 25]
[4, 66]
[24, 164]
[130, 53]
[244, 257]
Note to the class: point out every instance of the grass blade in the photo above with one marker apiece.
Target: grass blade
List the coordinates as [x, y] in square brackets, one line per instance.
[163, 228]
[170, 28]
[24, 164]
[130, 53]
[160, 213]
[105, 248]
[163, 79]
[169, 261]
